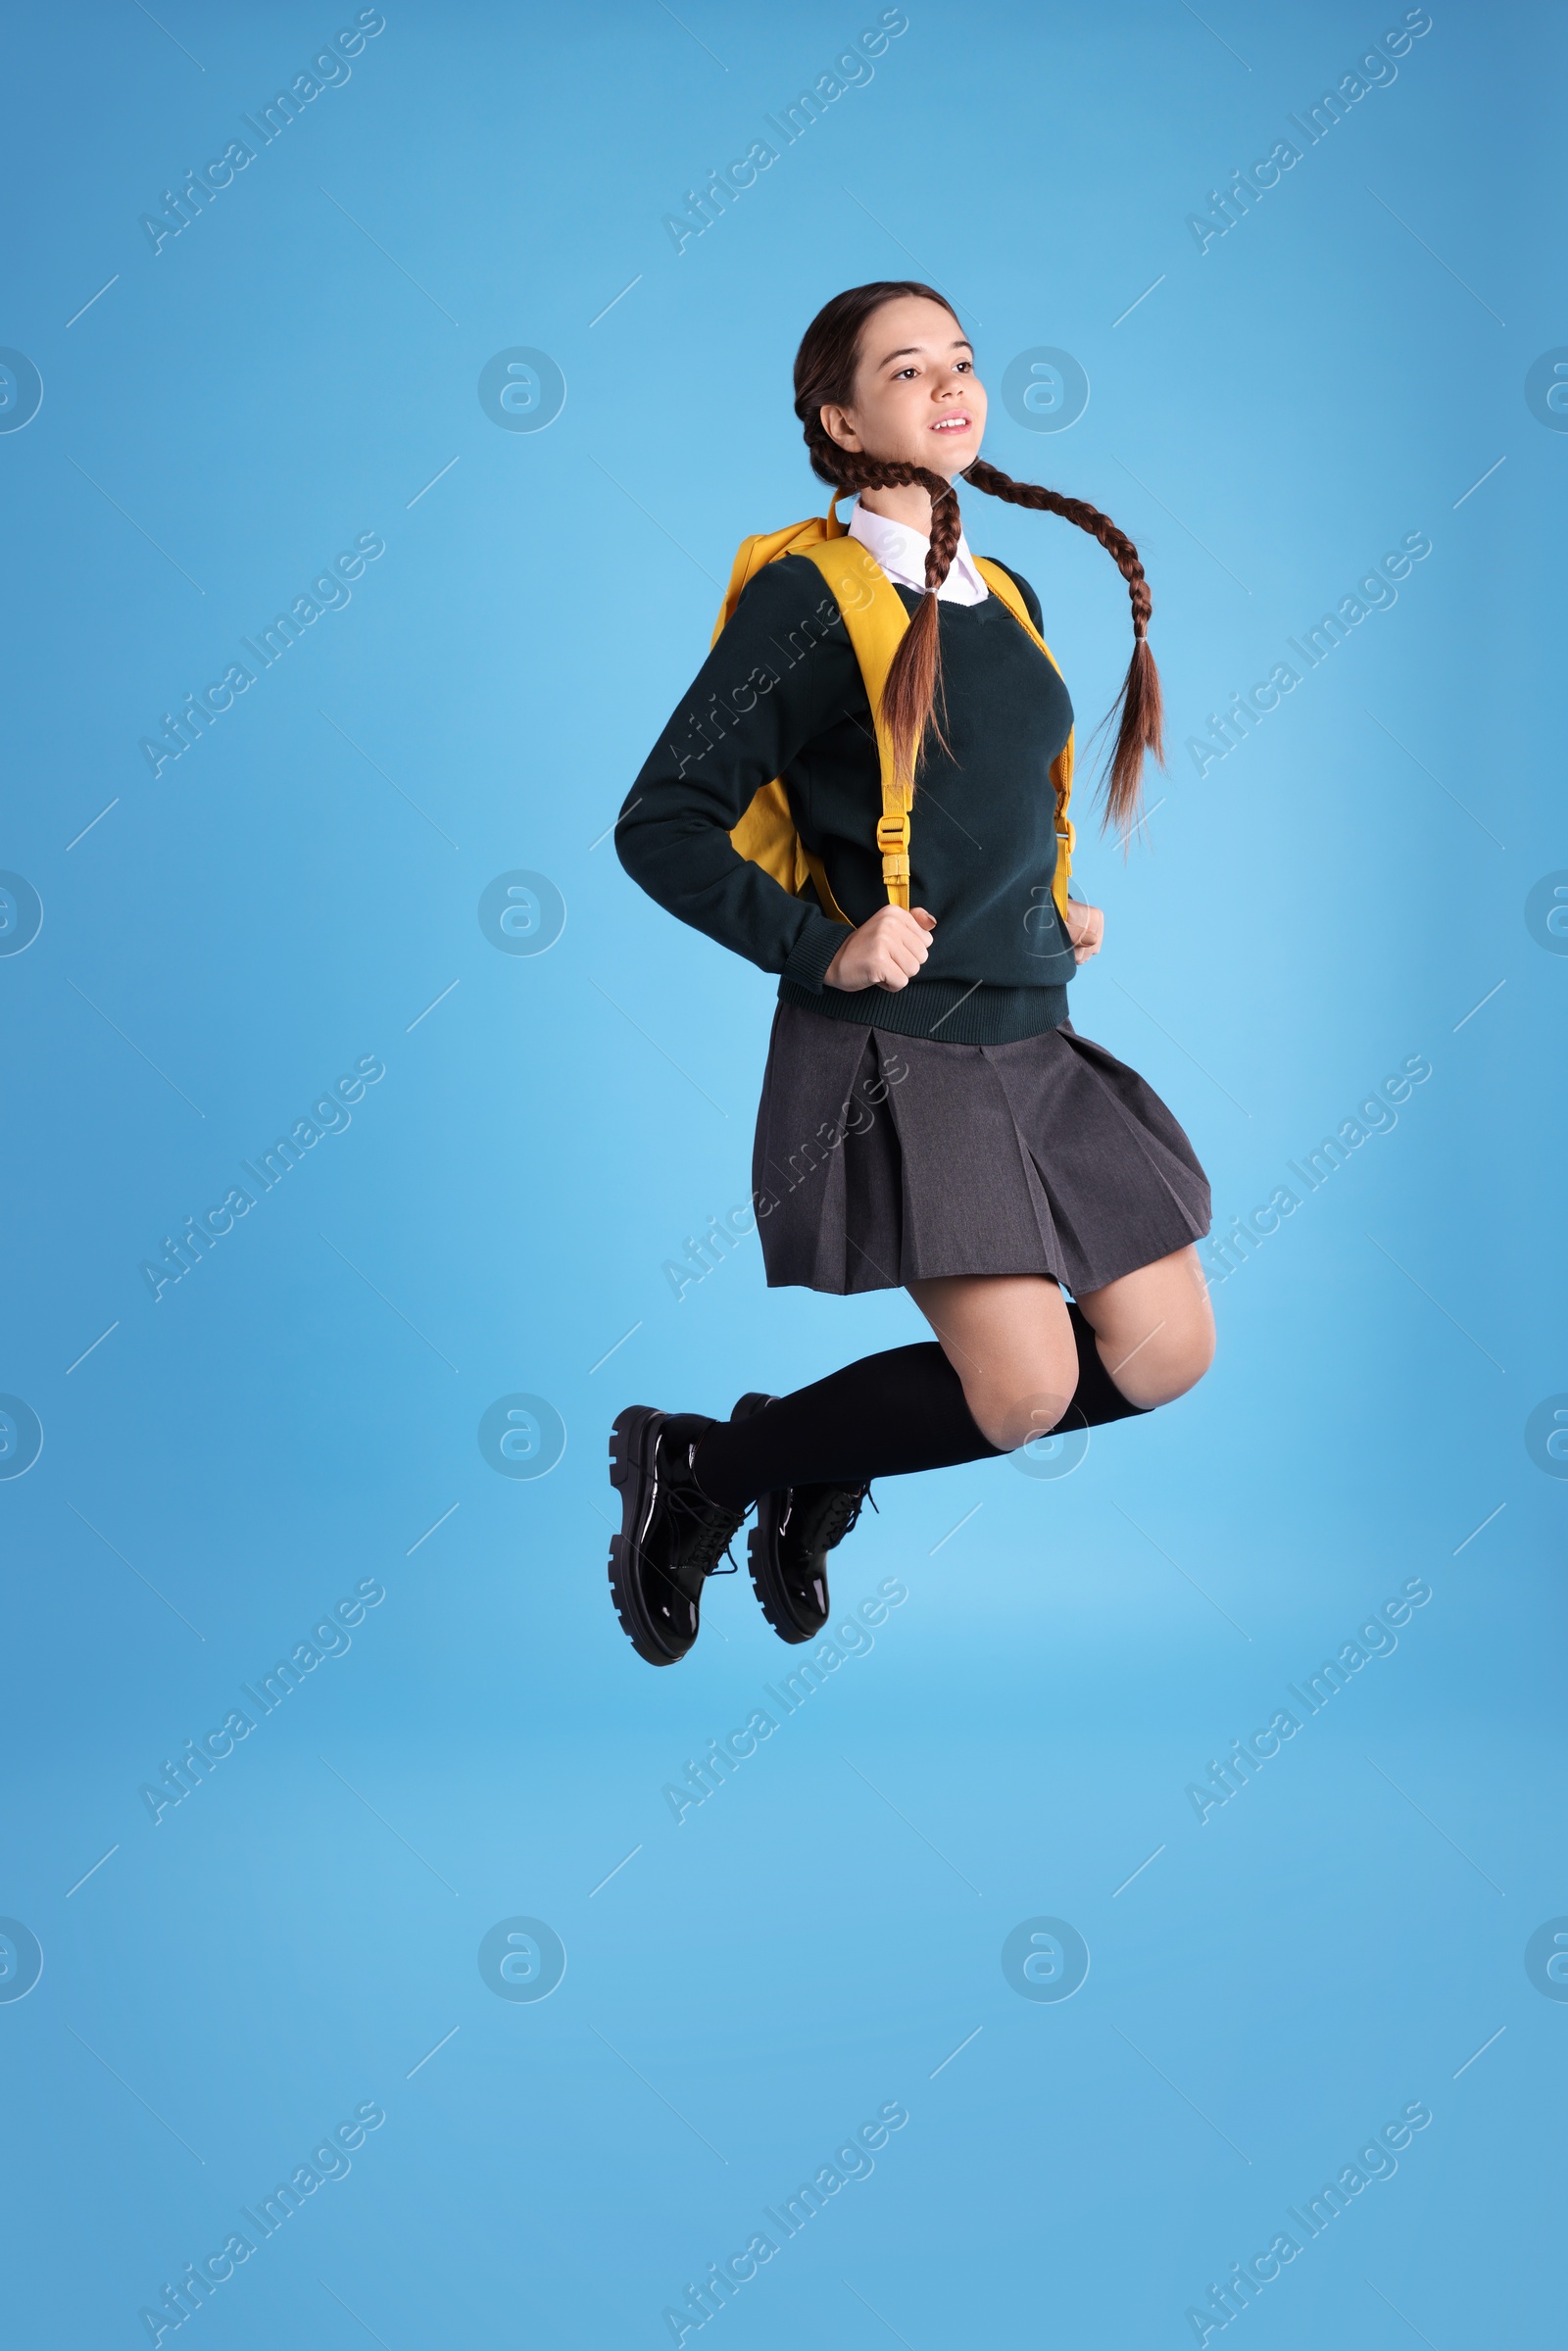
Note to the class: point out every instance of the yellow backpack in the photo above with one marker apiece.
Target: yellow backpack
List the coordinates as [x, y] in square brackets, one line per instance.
[873, 613]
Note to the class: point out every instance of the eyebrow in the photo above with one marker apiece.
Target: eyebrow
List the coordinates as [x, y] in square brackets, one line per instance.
[913, 350]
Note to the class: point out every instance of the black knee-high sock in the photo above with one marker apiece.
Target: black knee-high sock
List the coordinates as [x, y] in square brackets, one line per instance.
[882, 1417]
[1097, 1396]
[879, 1418]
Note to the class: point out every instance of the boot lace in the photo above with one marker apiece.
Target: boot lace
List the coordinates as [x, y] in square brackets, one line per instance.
[701, 1531]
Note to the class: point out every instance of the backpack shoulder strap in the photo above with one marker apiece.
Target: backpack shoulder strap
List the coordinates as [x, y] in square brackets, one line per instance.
[873, 613]
[1001, 584]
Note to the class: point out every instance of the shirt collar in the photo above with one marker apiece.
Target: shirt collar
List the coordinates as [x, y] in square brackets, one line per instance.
[902, 553]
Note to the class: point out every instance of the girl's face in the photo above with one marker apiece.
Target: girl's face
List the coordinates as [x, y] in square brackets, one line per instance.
[917, 400]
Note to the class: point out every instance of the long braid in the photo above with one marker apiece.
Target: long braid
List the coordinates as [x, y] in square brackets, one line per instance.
[1116, 543]
[1139, 705]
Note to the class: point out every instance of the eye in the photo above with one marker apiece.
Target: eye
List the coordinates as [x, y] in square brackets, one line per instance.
[900, 372]
[963, 367]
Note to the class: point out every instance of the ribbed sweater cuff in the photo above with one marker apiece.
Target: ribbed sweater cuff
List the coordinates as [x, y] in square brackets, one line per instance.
[813, 952]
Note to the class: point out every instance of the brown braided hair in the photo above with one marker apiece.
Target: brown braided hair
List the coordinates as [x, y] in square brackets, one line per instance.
[826, 367]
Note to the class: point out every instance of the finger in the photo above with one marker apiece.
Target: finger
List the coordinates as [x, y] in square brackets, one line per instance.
[927, 922]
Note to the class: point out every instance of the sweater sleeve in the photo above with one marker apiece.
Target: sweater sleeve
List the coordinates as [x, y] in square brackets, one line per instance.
[782, 671]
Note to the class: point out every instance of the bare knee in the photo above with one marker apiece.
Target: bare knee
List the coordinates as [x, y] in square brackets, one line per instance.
[1021, 1394]
[1154, 1328]
[1166, 1363]
[1008, 1419]
[1009, 1338]
[1183, 1367]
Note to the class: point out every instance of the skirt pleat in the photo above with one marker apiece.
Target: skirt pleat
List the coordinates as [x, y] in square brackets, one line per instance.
[882, 1160]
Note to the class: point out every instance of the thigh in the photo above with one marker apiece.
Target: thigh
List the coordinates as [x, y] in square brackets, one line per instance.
[1003, 1331]
[1155, 1326]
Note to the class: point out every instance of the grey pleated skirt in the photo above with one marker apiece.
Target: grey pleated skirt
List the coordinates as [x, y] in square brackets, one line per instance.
[882, 1160]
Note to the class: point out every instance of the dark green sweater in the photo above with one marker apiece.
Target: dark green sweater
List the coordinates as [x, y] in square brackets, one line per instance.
[781, 694]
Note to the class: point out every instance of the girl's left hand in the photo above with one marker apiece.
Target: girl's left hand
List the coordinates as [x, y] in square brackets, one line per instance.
[1086, 927]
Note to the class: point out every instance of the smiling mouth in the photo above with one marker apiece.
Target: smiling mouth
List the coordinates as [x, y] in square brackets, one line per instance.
[952, 424]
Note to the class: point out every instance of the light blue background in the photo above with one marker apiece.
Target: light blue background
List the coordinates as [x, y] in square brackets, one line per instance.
[294, 1415]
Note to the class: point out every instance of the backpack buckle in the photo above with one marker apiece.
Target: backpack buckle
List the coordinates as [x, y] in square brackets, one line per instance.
[893, 833]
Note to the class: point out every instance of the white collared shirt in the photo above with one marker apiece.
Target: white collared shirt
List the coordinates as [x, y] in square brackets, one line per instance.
[901, 553]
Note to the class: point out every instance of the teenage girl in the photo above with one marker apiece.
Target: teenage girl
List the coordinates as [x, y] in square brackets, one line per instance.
[978, 1151]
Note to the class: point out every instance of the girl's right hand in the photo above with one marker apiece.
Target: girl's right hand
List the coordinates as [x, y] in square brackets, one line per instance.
[885, 952]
